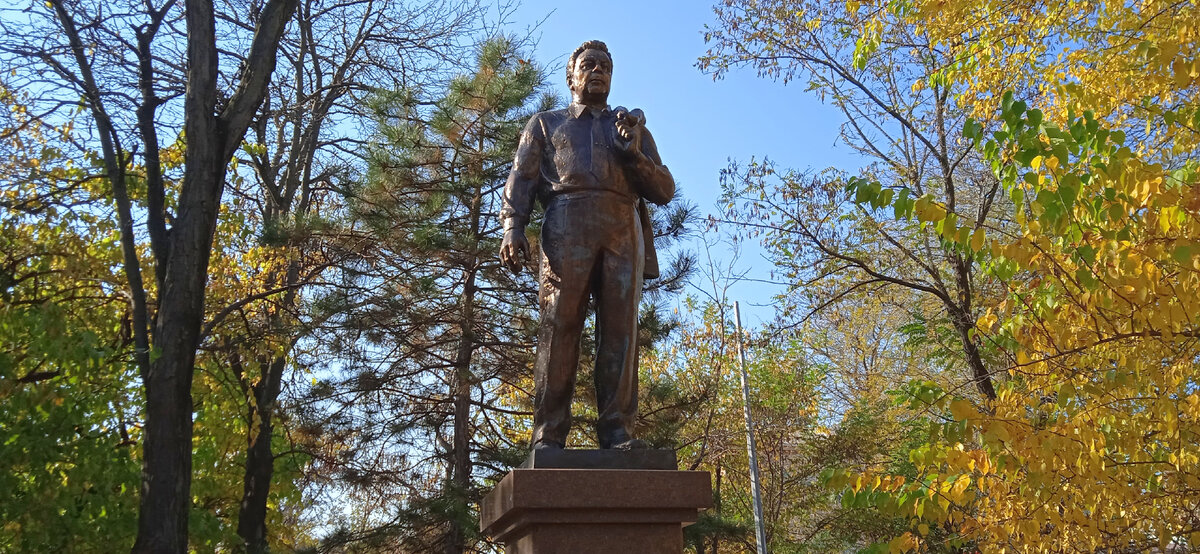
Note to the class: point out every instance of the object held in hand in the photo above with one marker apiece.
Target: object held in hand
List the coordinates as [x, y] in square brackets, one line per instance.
[633, 117]
[628, 123]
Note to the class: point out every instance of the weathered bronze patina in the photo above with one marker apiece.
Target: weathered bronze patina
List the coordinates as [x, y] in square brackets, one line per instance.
[592, 168]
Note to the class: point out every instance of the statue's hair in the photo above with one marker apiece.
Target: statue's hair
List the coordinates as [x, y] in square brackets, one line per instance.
[589, 45]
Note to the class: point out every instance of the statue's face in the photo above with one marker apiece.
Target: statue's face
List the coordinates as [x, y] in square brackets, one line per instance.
[591, 76]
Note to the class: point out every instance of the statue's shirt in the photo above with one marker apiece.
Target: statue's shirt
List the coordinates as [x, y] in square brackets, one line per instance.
[575, 149]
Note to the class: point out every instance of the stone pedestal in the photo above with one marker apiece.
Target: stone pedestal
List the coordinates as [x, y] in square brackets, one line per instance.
[585, 511]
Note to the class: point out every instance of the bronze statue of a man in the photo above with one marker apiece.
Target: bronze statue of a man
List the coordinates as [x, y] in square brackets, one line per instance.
[592, 168]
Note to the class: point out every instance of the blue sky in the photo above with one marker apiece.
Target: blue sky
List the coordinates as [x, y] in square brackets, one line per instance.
[699, 124]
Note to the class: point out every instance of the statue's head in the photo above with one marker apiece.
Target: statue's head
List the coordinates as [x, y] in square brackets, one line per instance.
[589, 73]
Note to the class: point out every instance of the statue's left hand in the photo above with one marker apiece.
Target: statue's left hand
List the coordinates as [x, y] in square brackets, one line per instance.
[630, 126]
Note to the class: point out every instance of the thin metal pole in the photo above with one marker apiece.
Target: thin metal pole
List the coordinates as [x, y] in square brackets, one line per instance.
[760, 530]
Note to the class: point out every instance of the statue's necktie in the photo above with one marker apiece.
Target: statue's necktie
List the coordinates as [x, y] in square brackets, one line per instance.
[598, 149]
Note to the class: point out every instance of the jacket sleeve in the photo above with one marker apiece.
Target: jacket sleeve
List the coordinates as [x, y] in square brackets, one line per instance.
[654, 180]
[523, 180]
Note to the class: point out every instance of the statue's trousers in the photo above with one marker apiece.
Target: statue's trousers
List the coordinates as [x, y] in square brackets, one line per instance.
[592, 244]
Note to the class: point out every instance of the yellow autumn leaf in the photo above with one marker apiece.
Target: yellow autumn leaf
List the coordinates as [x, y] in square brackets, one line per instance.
[928, 210]
[977, 239]
[962, 409]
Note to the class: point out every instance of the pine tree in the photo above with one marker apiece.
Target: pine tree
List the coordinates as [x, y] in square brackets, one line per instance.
[441, 335]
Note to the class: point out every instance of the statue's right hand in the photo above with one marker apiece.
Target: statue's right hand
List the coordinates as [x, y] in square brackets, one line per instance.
[514, 250]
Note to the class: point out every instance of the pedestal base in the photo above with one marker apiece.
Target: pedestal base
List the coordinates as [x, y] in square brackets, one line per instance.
[558, 458]
[594, 511]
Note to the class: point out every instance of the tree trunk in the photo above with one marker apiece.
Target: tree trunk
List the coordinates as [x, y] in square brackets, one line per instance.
[461, 473]
[167, 444]
[716, 542]
[979, 372]
[260, 460]
[461, 476]
[211, 141]
[963, 322]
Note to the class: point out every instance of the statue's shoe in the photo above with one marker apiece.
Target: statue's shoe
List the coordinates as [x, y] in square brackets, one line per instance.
[620, 440]
[631, 444]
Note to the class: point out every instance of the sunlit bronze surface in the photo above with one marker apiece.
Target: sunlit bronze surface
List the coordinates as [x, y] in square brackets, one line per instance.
[591, 168]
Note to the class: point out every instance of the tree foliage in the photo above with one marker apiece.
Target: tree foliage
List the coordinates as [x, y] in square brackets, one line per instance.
[1083, 269]
[1089, 442]
[69, 423]
[431, 330]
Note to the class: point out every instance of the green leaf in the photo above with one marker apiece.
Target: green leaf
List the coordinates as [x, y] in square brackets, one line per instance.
[1035, 117]
[1183, 254]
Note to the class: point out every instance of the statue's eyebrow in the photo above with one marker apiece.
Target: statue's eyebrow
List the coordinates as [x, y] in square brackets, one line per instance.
[597, 59]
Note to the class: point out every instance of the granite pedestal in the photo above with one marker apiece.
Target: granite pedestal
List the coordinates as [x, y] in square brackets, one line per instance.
[546, 508]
